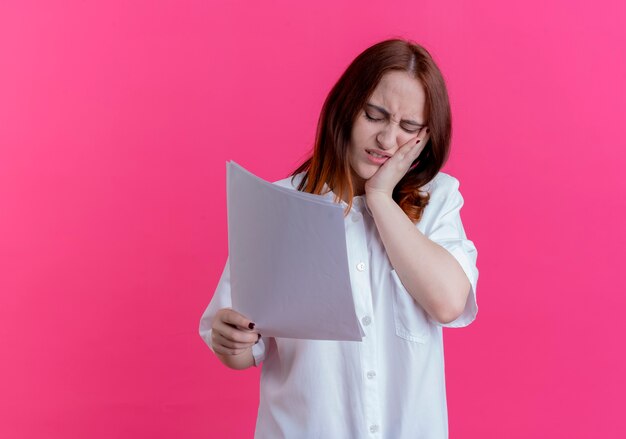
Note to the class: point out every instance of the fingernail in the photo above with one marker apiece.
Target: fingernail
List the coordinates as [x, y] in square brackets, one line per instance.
[251, 325]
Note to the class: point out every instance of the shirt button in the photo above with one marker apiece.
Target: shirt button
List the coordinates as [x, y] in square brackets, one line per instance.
[373, 428]
[371, 374]
[360, 266]
[366, 320]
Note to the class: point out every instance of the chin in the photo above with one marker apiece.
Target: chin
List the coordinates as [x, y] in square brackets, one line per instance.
[367, 172]
[363, 171]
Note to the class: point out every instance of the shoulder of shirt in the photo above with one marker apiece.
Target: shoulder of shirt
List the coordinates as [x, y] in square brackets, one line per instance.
[443, 188]
[443, 182]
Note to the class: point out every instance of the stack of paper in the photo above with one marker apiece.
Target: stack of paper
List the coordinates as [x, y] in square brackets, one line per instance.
[288, 260]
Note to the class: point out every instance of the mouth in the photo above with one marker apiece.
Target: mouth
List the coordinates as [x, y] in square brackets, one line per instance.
[376, 158]
[377, 155]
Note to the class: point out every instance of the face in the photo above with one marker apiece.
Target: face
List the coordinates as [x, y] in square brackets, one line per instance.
[392, 116]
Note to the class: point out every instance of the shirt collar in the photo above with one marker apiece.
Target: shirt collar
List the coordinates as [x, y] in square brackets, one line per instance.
[359, 203]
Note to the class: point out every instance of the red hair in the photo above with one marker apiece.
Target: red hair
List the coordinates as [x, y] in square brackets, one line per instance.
[329, 162]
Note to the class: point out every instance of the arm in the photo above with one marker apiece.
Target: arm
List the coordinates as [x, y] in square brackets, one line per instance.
[431, 275]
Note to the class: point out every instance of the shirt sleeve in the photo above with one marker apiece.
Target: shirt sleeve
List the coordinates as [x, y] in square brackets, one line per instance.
[222, 299]
[447, 231]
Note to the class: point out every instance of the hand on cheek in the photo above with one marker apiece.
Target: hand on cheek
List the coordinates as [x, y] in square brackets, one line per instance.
[392, 171]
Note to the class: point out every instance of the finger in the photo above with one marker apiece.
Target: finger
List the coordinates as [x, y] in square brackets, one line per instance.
[421, 141]
[410, 143]
[425, 135]
[417, 149]
[219, 349]
[234, 318]
[410, 151]
[219, 339]
[234, 334]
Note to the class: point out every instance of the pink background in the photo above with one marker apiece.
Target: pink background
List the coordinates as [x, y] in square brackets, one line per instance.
[117, 118]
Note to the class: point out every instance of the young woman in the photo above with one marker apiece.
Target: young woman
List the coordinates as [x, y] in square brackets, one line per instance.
[383, 136]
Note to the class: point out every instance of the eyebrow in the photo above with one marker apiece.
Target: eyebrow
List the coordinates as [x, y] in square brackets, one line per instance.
[386, 113]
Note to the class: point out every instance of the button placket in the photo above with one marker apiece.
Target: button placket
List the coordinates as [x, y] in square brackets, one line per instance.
[369, 364]
[358, 257]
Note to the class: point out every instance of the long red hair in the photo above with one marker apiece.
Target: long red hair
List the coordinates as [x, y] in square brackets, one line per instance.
[329, 162]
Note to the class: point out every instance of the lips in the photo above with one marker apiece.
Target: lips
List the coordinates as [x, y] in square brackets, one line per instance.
[377, 153]
[376, 158]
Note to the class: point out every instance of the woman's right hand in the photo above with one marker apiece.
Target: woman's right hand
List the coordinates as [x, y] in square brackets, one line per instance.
[232, 333]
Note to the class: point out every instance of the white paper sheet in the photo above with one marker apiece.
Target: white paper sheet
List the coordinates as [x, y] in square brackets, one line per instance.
[288, 260]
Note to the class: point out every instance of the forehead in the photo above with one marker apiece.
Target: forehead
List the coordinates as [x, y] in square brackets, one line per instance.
[401, 94]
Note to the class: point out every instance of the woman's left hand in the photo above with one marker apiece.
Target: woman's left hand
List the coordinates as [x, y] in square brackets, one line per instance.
[392, 171]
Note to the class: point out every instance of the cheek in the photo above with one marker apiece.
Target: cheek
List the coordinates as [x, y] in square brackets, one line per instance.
[362, 130]
[405, 138]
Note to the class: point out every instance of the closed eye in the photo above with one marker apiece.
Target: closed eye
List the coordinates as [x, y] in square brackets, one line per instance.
[370, 117]
[373, 119]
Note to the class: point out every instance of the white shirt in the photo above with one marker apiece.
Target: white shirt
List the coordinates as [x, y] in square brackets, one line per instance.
[391, 385]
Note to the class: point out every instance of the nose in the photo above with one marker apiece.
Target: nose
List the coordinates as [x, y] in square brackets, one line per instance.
[387, 138]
